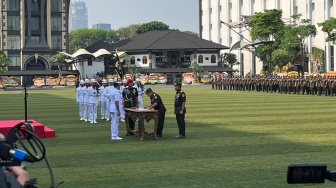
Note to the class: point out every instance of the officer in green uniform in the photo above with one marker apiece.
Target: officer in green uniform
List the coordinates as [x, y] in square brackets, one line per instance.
[180, 109]
[157, 104]
[130, 100]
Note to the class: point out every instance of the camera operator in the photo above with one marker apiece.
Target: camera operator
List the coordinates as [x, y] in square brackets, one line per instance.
[21, 176]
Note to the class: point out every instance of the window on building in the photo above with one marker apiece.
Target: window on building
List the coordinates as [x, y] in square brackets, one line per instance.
[35, 40]
[56, 6]
[144, 60]
[13, 23]
[56, 23]
[213, 59]
[200, 59]
[210, 11]
[90, 62]
[132, 60]
[13, 42]
[15, 60]
[35, 24]
[158, 57]
[332, 56]
[35, 5]
[13, 5]
[56, 42]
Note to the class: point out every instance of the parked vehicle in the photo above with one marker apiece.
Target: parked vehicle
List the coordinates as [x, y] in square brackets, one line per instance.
[143, 78]
[162, 79]
[152, 79]
[205, 77]
[188, 78]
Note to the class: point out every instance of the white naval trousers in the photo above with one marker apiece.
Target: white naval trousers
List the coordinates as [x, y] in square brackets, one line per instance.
[81, 109]
[86, 110]
[93, 111]
[114, 124]
[104, 108]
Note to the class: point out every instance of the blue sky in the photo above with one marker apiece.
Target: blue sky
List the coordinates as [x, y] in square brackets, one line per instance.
[178, 14]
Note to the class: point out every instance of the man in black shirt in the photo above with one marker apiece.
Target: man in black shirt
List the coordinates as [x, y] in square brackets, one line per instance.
[180, 109]
[130, 100]
[157, 104]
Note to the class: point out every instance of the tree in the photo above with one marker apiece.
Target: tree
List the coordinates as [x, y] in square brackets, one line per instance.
[112, 36]
[152, 26]
[228, 60]
[196, 69]
[127, 32]
[191, 33]
[59, 59]
[329, 27]
[293, 39]
[4, 62]
[266, 26]
[82, 38]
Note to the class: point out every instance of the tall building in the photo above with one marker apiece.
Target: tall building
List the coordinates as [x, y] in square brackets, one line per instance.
[32, 31]
[78, 15]
[232, 12]
[103, 26]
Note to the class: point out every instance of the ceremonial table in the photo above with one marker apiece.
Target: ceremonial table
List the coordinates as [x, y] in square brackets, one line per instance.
[141, 115]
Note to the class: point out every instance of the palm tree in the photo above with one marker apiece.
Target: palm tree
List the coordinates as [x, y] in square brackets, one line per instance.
[59, 59]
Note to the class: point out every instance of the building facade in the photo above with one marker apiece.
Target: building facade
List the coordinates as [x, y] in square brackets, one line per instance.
[78, 15]
[168, 51]
[212, 12]
[104, 26]
[32, 31]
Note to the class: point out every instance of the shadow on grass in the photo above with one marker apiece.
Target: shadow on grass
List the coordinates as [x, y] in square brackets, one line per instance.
[214, 154]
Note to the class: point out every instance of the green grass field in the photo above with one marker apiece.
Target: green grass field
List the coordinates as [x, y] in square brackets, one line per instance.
[234, 139]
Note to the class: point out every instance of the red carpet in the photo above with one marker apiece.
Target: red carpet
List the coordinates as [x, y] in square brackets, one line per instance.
[40, 130]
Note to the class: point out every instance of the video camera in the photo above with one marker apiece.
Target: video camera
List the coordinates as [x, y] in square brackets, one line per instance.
[10, 155]
[309, 173]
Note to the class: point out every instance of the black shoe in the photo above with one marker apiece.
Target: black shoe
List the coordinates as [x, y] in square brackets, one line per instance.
[179, 136]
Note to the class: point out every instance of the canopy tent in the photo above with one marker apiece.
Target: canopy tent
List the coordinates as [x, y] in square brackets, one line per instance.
[82, 53]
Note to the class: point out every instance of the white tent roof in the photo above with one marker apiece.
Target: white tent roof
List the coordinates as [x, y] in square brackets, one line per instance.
[101, 52]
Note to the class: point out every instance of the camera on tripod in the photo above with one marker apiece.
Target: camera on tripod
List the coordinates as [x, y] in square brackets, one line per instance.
[309, 173]
[10, 155]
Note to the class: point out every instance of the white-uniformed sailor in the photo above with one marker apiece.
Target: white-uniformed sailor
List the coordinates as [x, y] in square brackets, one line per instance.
[115, 106]
[80, 98]
[110, 86]
[140, 89]
[122, 112]
[86, 100]
[93, 100]
[103, 98]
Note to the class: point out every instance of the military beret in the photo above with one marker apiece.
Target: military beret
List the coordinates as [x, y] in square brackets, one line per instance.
[148, 90]
[178, 84]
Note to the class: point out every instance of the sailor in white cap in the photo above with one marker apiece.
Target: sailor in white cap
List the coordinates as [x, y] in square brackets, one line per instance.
[110, 86]
[80, 98]
[93, 100]
[86, 100]
[122, 112]
[140, 89]
[103, 98]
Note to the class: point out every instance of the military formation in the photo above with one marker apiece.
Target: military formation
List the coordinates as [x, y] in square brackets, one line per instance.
[315, 85]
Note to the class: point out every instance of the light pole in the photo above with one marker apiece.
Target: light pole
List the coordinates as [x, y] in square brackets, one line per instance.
[302, 54]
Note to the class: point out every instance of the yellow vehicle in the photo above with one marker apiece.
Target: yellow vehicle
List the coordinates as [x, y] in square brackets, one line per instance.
[205, 77]
[292, 74]
[143, 78]
[152, 79]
